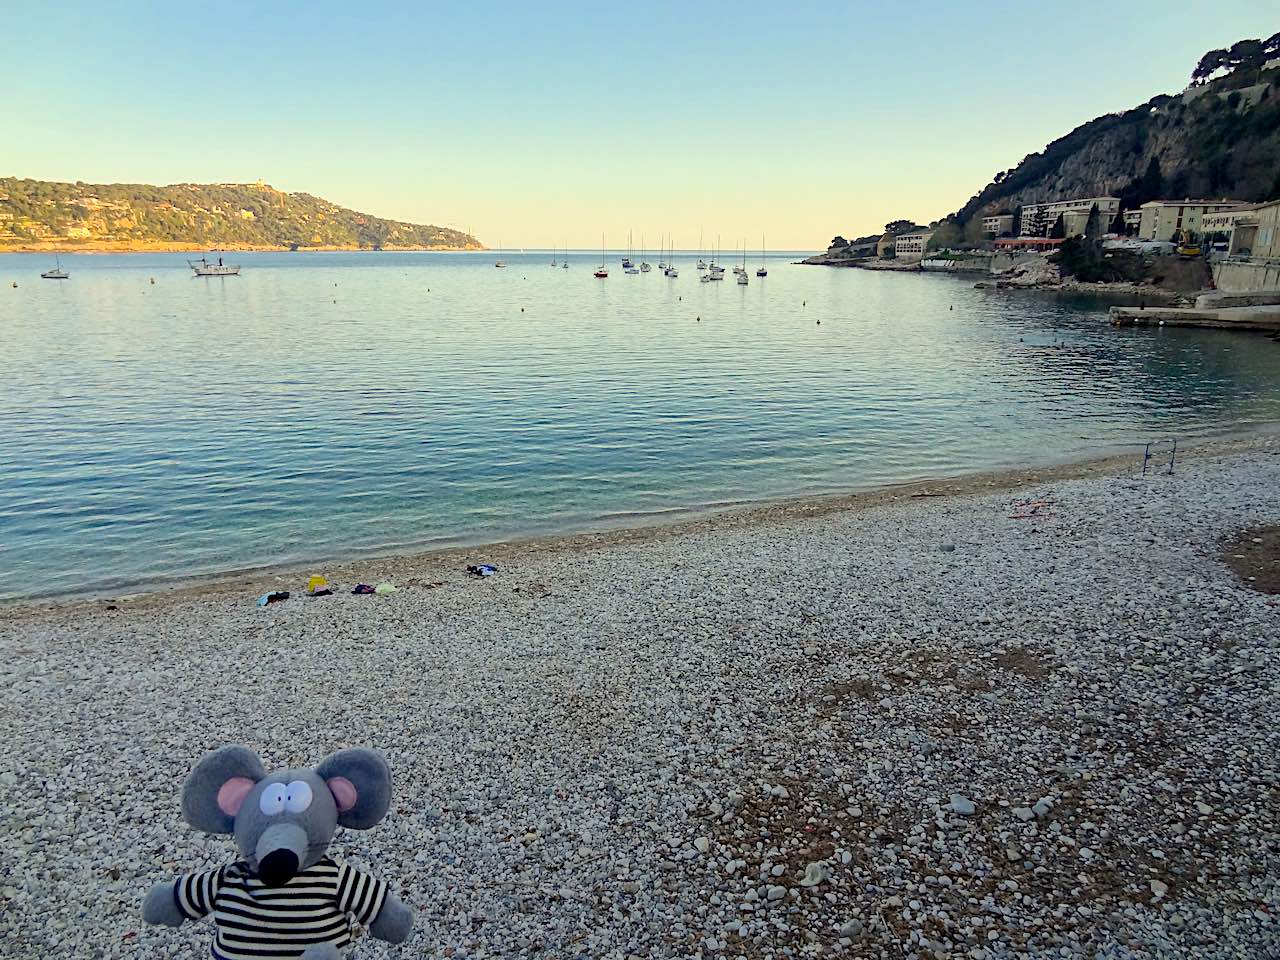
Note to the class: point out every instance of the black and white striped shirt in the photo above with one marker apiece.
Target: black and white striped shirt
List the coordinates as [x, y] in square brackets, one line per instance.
[256, 921]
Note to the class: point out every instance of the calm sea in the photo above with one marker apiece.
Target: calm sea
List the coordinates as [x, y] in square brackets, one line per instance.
[329, 405]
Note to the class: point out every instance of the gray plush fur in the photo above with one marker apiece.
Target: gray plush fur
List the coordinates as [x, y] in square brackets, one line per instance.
[305, 835]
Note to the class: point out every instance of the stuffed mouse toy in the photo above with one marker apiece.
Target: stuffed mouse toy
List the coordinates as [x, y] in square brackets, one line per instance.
[284, 898]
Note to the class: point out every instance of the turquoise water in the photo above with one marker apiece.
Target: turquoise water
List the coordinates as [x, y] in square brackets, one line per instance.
[327, 405]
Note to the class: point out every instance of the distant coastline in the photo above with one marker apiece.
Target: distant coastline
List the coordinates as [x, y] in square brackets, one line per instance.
[106, 247]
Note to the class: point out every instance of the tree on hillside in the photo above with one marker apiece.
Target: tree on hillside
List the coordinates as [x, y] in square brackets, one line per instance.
[900, 226]
[1149, 186]
[1246, 54]
[1093, 226]
[1209, 64]
[1117, 225]
[1059, 229]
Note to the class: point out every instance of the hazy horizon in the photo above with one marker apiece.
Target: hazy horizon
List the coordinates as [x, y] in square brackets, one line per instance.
[533, 127]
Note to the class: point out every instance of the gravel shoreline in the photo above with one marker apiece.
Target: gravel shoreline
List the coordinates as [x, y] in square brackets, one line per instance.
[907, 724]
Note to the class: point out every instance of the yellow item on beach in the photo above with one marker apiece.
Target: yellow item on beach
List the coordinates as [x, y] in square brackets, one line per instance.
[384, 589]
[317, 583]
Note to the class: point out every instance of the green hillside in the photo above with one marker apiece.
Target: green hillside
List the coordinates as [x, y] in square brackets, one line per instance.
[124, 216]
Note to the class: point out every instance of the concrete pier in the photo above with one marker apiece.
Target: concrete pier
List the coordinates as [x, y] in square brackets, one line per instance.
[1265, 319]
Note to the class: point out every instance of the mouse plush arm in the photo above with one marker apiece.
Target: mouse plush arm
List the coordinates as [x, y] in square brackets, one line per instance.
[393, 922]
[369, 901]
[190, 897]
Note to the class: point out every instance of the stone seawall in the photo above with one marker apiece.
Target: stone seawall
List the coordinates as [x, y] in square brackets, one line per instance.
[1246, 276]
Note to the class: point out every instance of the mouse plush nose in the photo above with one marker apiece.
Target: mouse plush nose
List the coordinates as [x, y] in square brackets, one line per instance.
[280, 853]
[278, 867]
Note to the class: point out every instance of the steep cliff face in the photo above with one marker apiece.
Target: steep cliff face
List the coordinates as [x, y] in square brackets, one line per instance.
[1218, 140]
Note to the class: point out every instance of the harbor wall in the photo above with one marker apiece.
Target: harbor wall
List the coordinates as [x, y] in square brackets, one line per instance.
[1246, 276]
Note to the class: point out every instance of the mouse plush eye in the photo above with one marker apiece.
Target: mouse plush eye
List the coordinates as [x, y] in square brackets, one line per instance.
[272, 800]
[298, 797]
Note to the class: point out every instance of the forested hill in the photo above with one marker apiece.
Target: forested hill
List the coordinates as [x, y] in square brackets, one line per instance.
[130, 216]
[1218, 138]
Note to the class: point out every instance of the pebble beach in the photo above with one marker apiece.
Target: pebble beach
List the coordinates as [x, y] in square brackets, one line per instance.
[1028, 714]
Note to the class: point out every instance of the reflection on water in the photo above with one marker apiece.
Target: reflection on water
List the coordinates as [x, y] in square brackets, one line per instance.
[323, 405]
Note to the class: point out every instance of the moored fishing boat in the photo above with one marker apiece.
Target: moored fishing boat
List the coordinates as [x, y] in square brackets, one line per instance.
[205, 268]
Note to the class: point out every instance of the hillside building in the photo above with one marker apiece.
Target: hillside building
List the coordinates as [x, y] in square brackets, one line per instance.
[1037, 219]
[1166, 219]
[998, 225]
[1253, 263]
[910, 246]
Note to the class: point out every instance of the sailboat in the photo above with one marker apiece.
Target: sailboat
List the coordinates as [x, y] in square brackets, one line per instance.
[742, 268]
[603, 271]
[628, 265]
[553, 258]
[565, 264]
[762, 272]
[714, 271]
[670, 269]
[644, 266]
[702, 265]
[499, 262]
[57, 273]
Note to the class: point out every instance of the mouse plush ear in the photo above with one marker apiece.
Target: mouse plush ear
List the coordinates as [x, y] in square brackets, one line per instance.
[214, 790]
[360, 782]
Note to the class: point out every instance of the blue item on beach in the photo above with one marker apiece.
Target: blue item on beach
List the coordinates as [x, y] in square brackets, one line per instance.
[362, 588]
[482, 569]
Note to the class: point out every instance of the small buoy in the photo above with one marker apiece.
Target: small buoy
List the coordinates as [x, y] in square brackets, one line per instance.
[819, 322]
[804, 303]
[1162, 323]
[952, 307]
[15, 284]
[153, 281]
[522, 309]
[699, 319]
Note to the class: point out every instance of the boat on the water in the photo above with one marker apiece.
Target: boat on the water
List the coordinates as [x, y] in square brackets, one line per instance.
[57, 273]
[669, 266]
[602, 271]
[644, 265]
[762, 272]
[499, 262]
[204, 267]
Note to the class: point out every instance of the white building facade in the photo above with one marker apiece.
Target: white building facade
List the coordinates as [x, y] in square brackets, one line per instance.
[1037, 219]
[910, 246]
[1166, 219]
[998, 225]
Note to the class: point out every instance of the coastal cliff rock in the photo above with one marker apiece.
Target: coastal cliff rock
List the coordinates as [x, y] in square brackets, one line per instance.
[1221, 139]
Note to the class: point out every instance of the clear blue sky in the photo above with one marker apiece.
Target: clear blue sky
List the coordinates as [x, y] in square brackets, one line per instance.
[540, 123]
